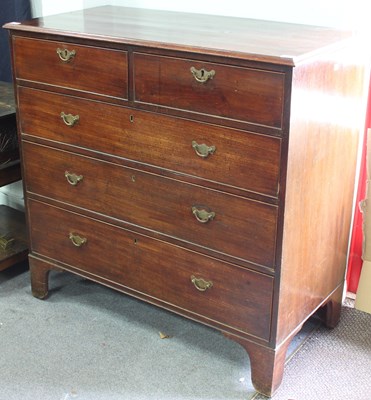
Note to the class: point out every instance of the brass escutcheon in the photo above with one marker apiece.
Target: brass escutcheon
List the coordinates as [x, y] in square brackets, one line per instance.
[203, 215]
[66, 55]
[69, 119]
[202, 150]
[72, 178]
[201, 75]
[201, 284]
[77, 240]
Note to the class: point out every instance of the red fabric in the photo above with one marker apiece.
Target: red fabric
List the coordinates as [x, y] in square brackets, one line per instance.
[355, 251]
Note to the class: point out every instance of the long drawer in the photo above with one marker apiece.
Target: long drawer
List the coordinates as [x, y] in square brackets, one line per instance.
[231, 92]
[201, 285]
[224, 223]
[72, 66]
[235, 158]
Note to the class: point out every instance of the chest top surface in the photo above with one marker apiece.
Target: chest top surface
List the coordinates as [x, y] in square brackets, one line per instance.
[267, 41]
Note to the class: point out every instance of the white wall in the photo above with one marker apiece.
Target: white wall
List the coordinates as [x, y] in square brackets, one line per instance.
[49, 7]
[349, 14]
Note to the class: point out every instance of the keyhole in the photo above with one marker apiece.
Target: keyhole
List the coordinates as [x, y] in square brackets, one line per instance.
[133, 178]
[131, 118]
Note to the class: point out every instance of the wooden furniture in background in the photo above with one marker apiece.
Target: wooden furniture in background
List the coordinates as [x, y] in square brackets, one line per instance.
[201, 163]
[13, 238]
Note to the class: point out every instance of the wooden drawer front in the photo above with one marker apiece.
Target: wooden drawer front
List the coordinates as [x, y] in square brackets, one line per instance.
[95, 70]
[241, 159]
[243, 94]
[240, 228]
[238, 298]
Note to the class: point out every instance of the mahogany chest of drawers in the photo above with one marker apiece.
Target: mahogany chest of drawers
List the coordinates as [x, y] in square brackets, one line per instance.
[203, 164]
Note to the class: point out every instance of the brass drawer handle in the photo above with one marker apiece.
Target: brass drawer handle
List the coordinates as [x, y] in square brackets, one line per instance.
[72, 178]
[69, 119]
[202, 215]
[77, 240]
[201, 284]
[201, 75]
[66, 55]
[202, 150]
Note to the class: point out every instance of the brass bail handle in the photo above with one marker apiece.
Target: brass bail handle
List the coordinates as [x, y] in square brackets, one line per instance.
[73, 179]
[66, 55]
[201, 284]
[69, 119]
[202, 215]
[201, 75]
[77, 240]
[202, 150]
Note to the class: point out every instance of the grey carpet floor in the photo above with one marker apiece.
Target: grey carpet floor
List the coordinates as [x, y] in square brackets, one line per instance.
[87, 342]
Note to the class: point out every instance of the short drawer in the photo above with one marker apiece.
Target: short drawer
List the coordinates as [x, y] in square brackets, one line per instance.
[72, 66]
[243, 94]
[220, 222]
[220, 292]
[231, 157]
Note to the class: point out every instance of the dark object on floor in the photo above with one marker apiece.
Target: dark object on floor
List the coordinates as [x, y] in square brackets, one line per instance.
[13, 237]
